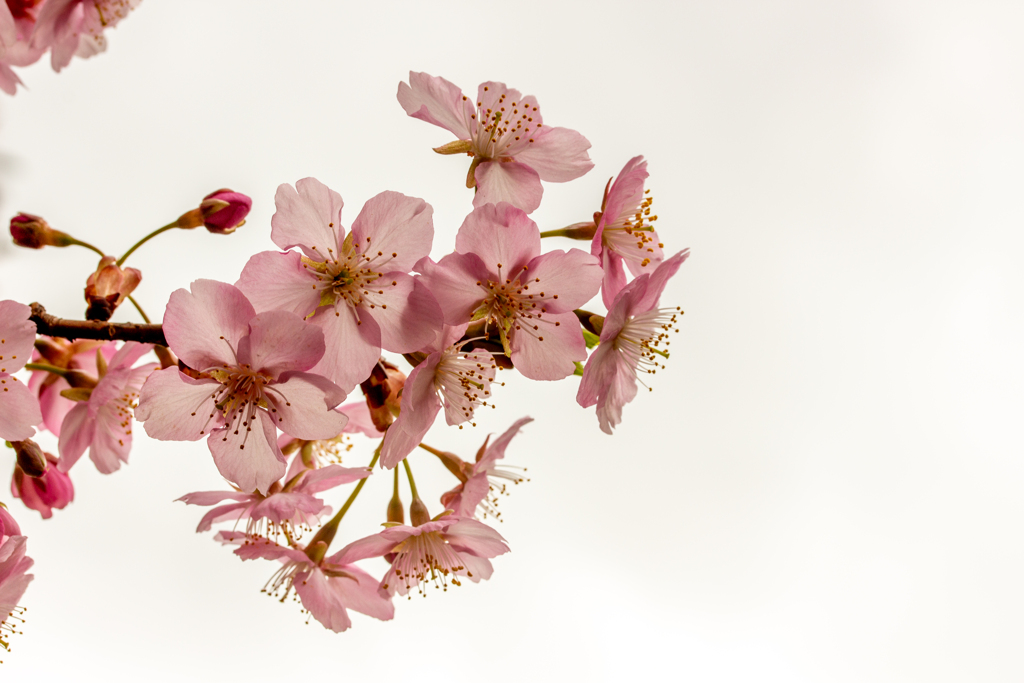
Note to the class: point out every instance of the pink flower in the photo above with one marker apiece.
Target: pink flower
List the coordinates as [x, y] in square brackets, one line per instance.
[459, 379]
[429, 553]
[358, 283]
[53, 489]
[103, 423]
[631, 337]
[285, 508]
[19, 410]
[251, 380]
[327, 588]
[484, 480]
[512, 150]
[75, 27]
[624, 231]
[77, 355]
[320, 453]
[498, 274]
[17, 21]
[13, 579]
[224, 211]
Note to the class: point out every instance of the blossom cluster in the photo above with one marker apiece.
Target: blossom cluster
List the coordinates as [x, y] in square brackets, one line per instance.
[266, 369]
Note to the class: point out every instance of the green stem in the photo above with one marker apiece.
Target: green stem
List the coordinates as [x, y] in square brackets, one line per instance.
[412, 482]
[138, 308]
[52, 369]
[431, 449]
[169, 226]
[87, 246]
[396, 483]
[327, 531]
[555, 233]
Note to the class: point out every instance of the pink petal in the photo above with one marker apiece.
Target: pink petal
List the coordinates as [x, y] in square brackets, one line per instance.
[420, 406]
[76, 434]
[113, 439]
[557, 155]
[496, 449]
[285, 506]
[272, 280]
[17, 335]
[477, 568]
[371, 546]
[660, 277]
[408, 316]
[609, 380]
[499, 234]
[512, 182]
[473, 492]
[452, 282]
[393, 231]
[554, 356]
[614, 277]
[128, 354]
[352, 339]
[359, 420]
[324, 604]
[264, 549]
[279, 342]
[250, 458]
[176, 407]
[360, 594]
[204, 326]
[476, 538]
[437, 101]
[302, 406]
[19, 409]
[328, 477]
[235, 511]
[309, 217]
[575, 276]
[213, 497]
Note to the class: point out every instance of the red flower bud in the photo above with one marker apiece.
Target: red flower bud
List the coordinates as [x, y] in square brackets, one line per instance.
[224, 211]
[33, 232]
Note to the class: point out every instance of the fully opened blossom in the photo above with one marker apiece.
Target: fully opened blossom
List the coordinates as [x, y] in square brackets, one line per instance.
[102, 424]
[328, 588]
[251, 381]
[79, 355]
[505, 134]
[459, 379]
[75, 27]
[632, 340]
[357, 283]
[498, 274]
[625, 232]
[484, 481]
[13, 579]
[435, 553]
[17, 22]
[19, 410]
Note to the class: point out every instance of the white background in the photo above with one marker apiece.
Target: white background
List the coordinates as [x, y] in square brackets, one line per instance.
[824, 485]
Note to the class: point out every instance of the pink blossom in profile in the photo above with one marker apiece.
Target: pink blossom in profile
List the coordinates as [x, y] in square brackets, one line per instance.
[250, 380]
[484, 480]
[17, 22]
[103, 423]
[497, 274]
[77, 355]
[19, 409]
[633, 338]
[326, 587]
[357, 285]
[319, 453]
[13, 577]
[72, 28]
[287, 508]
[52, 490]
[625, 231]
[504, 133]
[436, 552]
[460, 380]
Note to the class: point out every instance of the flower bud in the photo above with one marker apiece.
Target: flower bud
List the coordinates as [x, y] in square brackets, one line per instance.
[418, 514]
[108, 287]
[30, 456]
[33, 232]
[51, 490]
[224, 211]
[396, 511]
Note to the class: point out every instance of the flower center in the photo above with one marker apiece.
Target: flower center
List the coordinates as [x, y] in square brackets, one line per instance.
[464, 379]
[503, 131]
[644, 338]
[426, 559]
[631, 233]
[351, 276]
[510, 306]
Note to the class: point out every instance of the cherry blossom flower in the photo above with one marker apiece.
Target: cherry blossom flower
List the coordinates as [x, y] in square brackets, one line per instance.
[52, 489]
[358, 284]
[75, 27]
[102, 424]
[504, 132]
[498, 274]
[319, 453]
[13, 579]
[224, 211]
[429, 553]
[633, 334]
[77, 355]
[624, 230]
[327, 588]
[459, 379]
[17, 22]
[484, 481]
[251, 380]
[285, 507]
[19, 409]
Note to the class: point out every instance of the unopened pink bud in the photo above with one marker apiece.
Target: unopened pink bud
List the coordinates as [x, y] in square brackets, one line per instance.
[33, 232]
[108, 287]
[224, 211]
[44, 493]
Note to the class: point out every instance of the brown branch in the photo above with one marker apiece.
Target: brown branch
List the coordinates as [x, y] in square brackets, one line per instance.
[53, 326]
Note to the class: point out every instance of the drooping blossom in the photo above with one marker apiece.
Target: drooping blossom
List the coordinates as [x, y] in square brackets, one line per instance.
[79, 355]
[19, 409]
[107, 288]
[625, 230]
[75, 27]
[483, 480]
[52, 489]
[505, 134]
[251, 380]
[328, 588]
[357, 283]
[458, 379]
[498, 274]
[17, 22]
[632, 338]
[435, 553]
[13, 578]
[102, 424]
[319, 453]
